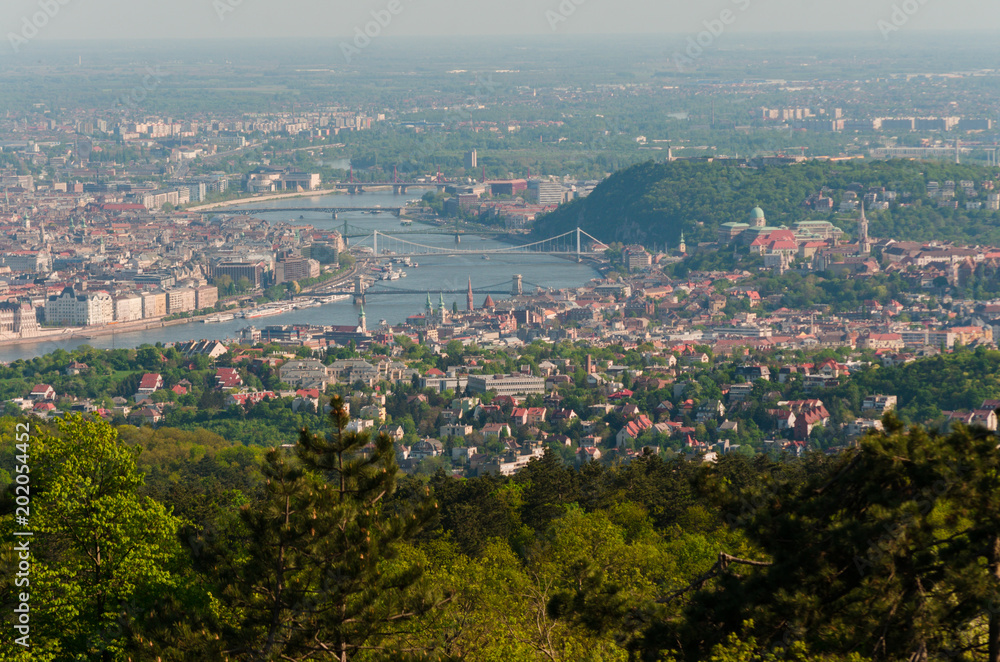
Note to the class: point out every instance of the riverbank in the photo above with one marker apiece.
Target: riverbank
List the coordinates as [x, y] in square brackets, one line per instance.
[86, 333]
[288, 196]
[449, 273]
[267, 198]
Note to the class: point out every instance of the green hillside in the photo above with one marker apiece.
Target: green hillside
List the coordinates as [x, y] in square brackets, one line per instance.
[652, 203]
[960, 381]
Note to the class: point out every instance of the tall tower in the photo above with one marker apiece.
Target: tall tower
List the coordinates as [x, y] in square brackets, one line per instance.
[429, 307]
[958, 151]
[517, 285]
[864, 242]
[683, 245]
[362, 320]
[470, 304]
[442, 311]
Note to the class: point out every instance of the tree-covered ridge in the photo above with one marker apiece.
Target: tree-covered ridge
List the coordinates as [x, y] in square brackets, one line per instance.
[653, 203]
[963, 380]
[887, 552]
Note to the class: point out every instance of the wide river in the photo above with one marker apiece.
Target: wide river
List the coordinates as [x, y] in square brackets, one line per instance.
[431, 276]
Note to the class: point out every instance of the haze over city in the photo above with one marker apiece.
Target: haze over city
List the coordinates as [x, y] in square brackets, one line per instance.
[200, 19]
[550, 331]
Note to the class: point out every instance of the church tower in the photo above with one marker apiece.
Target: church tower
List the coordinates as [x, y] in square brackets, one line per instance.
[429, 308]
[470, 304]
[442, 311]
[362, 321]
[683, 245]
[864, 242]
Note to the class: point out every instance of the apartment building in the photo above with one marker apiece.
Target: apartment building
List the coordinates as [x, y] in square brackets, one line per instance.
[506, 384]
[80, 309]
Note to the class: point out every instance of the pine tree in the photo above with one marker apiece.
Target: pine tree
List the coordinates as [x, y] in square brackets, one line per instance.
[322, 572]
[890, 551]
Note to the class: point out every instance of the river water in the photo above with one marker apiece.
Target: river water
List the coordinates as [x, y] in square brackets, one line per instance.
[433, 275]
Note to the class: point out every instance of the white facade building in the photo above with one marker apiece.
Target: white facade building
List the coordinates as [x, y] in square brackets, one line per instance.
[128, 308]
[506, 384]
[83, 309]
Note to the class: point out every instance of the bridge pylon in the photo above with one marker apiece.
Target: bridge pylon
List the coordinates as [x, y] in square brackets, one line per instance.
[359, 289]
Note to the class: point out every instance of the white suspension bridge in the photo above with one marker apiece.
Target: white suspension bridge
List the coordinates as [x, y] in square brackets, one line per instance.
[575, 243]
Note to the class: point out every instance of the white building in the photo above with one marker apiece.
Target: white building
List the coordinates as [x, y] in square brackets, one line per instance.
[84, 309]
[305, 373]
[506, 384]
[128, 308]
[180, 300]
[154, 304]
[546, 193]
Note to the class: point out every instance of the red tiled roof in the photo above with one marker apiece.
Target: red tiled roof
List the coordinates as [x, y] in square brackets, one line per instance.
[151, 380]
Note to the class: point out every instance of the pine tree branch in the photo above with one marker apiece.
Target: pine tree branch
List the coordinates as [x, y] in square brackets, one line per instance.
[721, 566]
[850, 465]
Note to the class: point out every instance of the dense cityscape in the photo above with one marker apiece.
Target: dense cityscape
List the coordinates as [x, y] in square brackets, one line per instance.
[527, 348]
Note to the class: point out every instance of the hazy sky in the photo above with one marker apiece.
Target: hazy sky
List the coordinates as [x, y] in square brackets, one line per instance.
[110, 19]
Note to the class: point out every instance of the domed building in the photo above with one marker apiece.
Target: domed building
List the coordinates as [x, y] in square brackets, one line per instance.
[747, 232]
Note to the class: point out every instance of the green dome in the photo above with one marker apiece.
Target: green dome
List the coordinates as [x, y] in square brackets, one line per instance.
[757, 213]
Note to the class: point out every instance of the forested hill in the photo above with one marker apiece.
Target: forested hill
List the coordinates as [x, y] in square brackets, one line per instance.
[652, 203]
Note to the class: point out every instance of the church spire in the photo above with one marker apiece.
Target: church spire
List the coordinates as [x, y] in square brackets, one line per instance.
[362, 320]
[469, 302]
[429, 307]
[864, 242]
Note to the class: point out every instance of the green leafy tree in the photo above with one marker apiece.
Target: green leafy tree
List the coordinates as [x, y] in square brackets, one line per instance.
[102, 552]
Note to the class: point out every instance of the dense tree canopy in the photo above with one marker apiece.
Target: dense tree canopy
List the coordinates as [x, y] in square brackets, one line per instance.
[653, 203]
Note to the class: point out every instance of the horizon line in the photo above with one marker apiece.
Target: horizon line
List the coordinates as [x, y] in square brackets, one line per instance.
[810, 33]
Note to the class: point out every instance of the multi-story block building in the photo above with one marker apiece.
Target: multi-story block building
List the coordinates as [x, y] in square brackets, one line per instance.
[84, 309]
[18, 320]
[128, 308]
[154, 304]
[181, 300]
[295, 268]
[307, 373]
[506, 384]
[206, 296]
